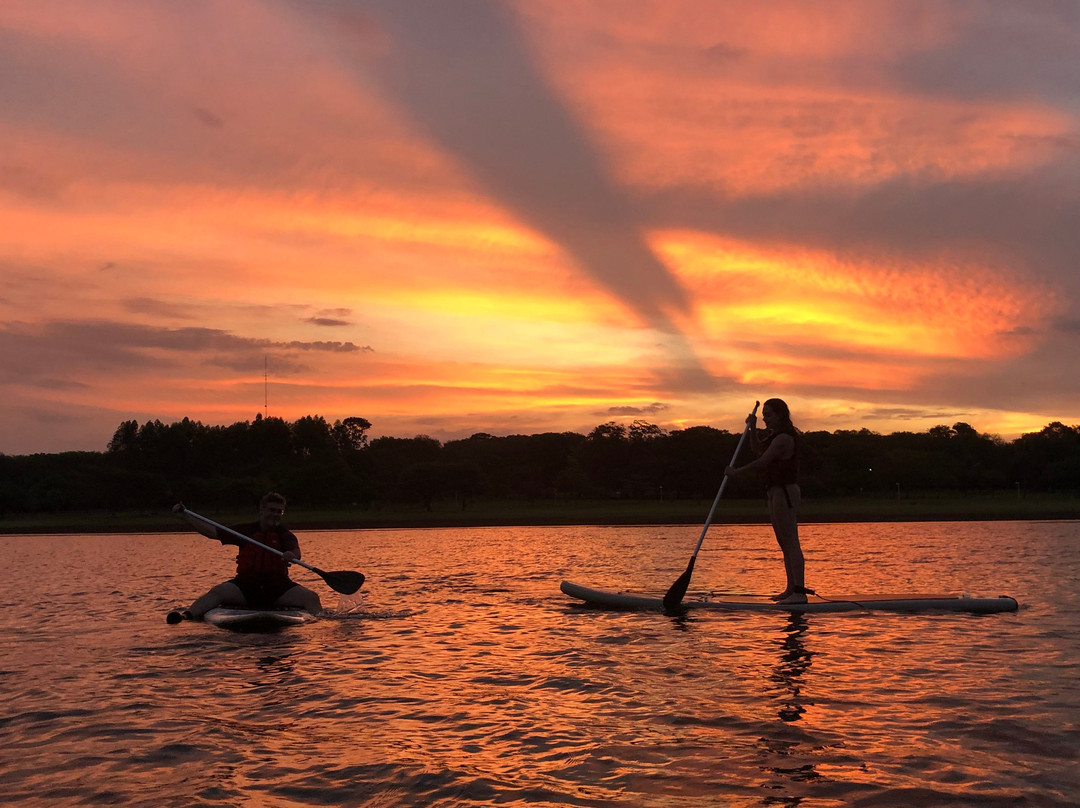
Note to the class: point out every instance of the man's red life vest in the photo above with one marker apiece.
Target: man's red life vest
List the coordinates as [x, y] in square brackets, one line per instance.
[255, 562]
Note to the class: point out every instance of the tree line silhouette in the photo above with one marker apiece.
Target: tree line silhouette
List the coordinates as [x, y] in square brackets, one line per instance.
[322, 465]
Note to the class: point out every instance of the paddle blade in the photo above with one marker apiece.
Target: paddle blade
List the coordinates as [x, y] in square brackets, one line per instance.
[343, 581]
[677, 592]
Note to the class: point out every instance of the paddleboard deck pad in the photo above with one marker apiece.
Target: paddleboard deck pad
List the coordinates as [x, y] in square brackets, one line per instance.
[629, 601]
[256, 619]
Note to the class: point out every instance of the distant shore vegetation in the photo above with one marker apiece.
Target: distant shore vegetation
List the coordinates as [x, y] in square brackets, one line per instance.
[636, 469]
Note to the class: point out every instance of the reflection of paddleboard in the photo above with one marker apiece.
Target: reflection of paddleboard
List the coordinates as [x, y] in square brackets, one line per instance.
[816, 603]
[256, 619]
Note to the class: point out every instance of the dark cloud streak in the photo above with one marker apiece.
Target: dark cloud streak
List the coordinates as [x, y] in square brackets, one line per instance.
[462, 73]
[652, 409]
[1033, 220]
[178, 339]
[37, 354]
[1003, 50]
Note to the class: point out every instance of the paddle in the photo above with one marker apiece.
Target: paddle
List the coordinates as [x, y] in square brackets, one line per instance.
[675, 594]
[342, 581]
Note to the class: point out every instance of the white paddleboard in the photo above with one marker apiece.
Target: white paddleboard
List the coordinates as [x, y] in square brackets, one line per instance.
[815, 603]
[256, 619]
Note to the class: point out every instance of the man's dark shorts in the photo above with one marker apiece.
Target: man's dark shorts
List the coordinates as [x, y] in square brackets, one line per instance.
[262, 593]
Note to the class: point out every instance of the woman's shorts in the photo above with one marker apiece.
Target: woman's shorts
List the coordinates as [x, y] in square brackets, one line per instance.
[781, 496]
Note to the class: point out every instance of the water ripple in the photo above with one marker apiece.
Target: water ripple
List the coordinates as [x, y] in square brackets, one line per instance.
[461, 677]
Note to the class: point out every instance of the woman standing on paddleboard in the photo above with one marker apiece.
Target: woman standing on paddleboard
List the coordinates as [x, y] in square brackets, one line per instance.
[777, 450]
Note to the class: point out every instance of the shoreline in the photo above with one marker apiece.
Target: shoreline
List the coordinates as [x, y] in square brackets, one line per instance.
[977, 507]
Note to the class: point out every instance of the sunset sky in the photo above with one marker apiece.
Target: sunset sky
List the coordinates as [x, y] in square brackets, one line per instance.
[519, 217]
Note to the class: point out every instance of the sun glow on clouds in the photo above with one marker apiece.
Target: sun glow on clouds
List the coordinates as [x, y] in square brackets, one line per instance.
[189, 191]
[818, 320]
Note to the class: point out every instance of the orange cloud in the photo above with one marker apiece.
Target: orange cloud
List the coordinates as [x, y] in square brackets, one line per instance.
[782, 96]
[875, 321]
[241, 170]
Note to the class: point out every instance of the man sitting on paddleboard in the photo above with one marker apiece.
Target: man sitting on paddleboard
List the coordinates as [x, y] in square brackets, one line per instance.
[262, 578]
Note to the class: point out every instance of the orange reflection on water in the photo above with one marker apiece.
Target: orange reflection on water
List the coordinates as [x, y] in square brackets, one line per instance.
[466, 678]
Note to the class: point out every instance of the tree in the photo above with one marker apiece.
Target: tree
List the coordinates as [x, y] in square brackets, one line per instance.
[606, 458]
[125, 437]
[350, 435]
[643, 431]
[1048, 459]
[311, 437]
[391, 456]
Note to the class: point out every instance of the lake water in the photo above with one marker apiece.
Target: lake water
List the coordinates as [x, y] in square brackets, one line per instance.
[463, 677]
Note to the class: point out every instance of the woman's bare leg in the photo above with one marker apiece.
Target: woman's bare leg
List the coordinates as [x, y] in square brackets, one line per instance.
[785, 522]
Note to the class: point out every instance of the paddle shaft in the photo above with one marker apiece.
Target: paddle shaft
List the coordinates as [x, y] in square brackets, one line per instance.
[723, 483]
[677, 591]
[248, 539]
